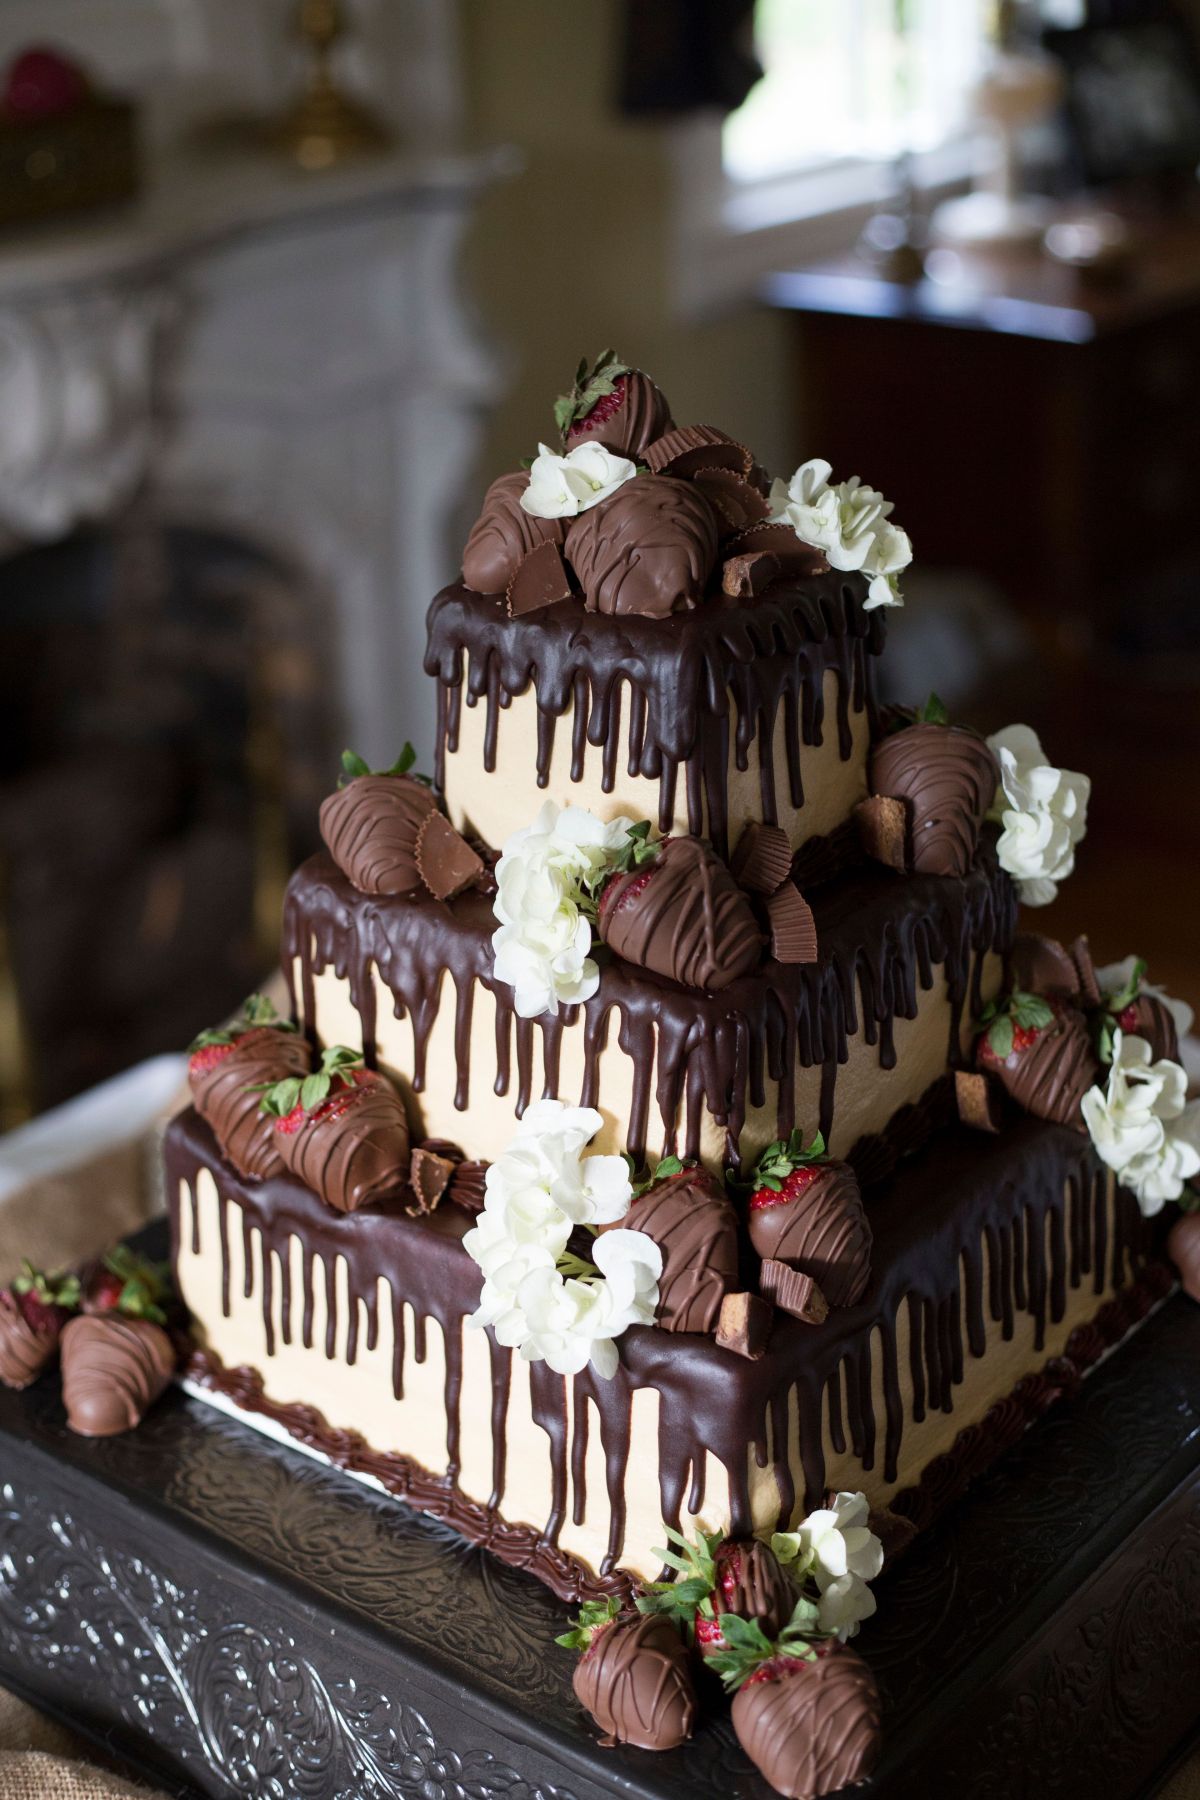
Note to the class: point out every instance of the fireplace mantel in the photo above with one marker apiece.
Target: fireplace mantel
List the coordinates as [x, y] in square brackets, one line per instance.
[283, 354]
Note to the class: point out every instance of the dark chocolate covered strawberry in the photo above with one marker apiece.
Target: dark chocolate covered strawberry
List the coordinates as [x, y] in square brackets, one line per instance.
[806, 1210]
[633, 1676]
[717, 1576]
[1129, 1004]
[225, 1068]
[685, 1211]
[504, 535]
[1040, 1051]
[674, 907]
[612, 405]
[342, 1130]
[34, 1307]
[810, 1723]
[386, 835]
[114, 1366]
[946, 777]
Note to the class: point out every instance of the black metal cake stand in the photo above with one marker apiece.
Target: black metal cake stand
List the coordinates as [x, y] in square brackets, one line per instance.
[229, 1618]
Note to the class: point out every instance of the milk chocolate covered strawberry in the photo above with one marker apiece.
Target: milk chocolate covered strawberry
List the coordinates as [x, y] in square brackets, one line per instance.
[685, 1211]
[114, 1366]
[617, 406]
[34, 1307]
[1040, 1050]
[806, 1210]
[675, 908]
[226, 1068]
[505, 534]
[633, 1676]
[342, 1130]
[811, 1723]
[946, 777]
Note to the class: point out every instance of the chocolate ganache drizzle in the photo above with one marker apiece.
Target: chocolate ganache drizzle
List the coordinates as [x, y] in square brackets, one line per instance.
[716, 1052]
[691, 684]
[971, 1231]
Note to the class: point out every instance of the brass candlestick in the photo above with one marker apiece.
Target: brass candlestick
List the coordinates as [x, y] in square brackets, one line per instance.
[326, 126]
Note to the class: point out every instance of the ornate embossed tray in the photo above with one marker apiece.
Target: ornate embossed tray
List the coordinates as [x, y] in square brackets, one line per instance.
[231, 1619]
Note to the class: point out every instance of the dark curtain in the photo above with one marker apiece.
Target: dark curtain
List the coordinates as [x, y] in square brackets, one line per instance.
[680, 56]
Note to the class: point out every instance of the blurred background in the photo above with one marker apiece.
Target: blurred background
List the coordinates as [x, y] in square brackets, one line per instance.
[283, 282]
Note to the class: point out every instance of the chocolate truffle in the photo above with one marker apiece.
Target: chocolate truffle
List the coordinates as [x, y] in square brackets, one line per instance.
[627, 420]
[224, 1095]
[370, 828]
[811, 1728]
[352, 1149]
[947, 777]
[752, 1583]
[695, 1227]
[633, 1679]
[25, 1349]
[648, 549]
[1048, 1075]
[818, 1225]
[113, 1369]
[504, 534]
[683, 916]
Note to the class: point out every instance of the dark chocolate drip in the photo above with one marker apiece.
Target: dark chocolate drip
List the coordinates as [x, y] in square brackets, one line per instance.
[684, 673]
[881, 944]
[929, 1228]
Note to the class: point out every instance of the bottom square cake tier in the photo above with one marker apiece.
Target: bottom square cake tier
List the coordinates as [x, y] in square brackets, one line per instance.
[1003, 1269]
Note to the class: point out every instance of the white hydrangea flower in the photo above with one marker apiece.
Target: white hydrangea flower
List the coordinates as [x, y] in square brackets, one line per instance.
[538, 1298]
[849, 522]
[843, 1606]
[1116, 977]
[562, 486]
[543, 879]
[836, 1550]
[1043, 811]
[1142, 1125]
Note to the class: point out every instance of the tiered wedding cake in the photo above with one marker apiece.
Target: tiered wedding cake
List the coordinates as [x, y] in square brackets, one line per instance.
[666, 1097]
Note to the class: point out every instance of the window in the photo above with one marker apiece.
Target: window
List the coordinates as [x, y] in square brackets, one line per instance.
[853, 79]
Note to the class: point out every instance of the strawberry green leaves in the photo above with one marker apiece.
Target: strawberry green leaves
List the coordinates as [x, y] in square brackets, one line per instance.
[144, 1285]
[1000, 1020]
[933, 712]
[593, 1616]
[309, 1091]
[257, 1011]
[354, 765]
[59, 1289]
[748, 1647]
[779, 1160]
[589, 386]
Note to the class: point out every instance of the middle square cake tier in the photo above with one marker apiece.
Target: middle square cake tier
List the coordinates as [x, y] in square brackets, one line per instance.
[856, 1044]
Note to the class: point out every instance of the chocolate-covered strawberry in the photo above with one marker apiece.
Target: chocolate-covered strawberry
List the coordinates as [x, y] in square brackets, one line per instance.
[504, 534]
[810, 1723]
[648, 549]
[685, 1211]
[633, 1676]
[1040, 1050]
[34, 1307]
[946, 777]
[674, 907]
[612, 405]
[717, 1576]
[342, 1130]
[805, 1209]
[114, 1366]
[1137, 1010]
[129, 1284]
[372, 823]
[225, 1068]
